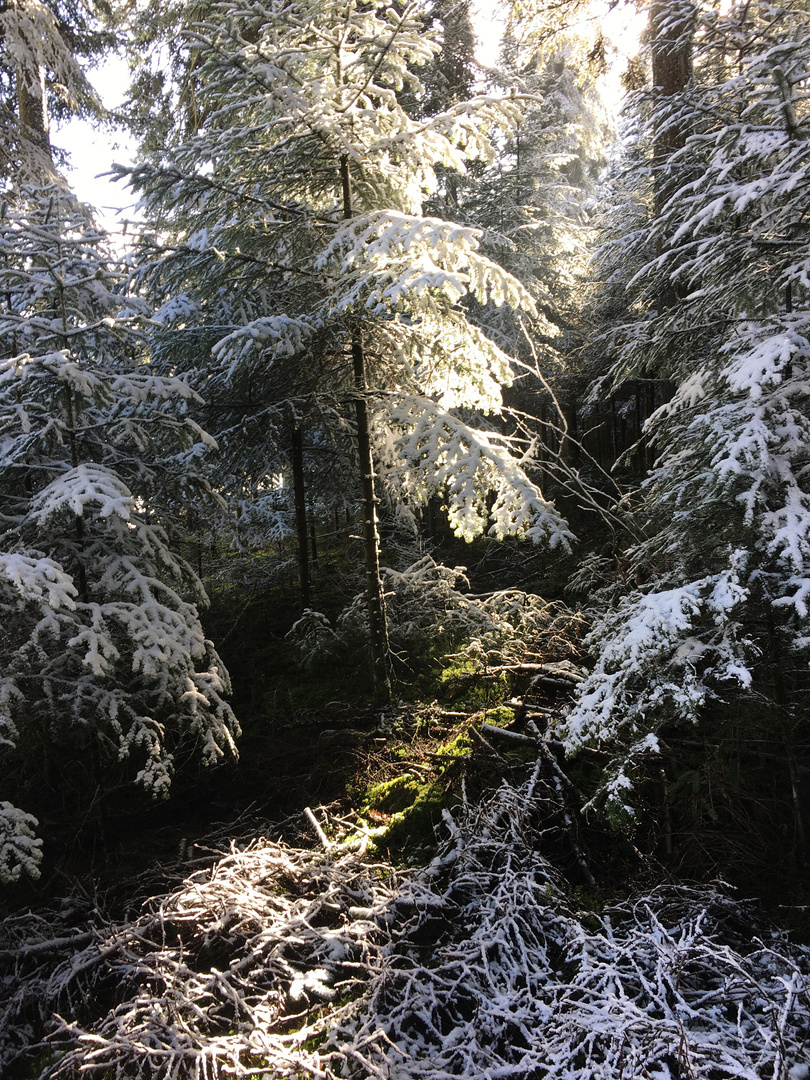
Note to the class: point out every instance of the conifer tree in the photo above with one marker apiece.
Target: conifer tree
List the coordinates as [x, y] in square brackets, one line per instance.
[42, 43]
[304, 190]
[534, 203]
[719, 607]
[105, 667]
[103, 655]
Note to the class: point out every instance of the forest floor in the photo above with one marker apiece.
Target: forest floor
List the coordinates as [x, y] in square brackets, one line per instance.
[402, 893]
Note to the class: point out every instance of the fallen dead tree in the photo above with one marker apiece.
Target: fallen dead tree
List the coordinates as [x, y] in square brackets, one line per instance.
[283, 962]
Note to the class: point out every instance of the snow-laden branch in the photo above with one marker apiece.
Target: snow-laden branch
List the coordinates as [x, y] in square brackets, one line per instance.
[430, 610]
[20, 848]
[661, 655]
[425, 450]
[395, 261]
[38, 578]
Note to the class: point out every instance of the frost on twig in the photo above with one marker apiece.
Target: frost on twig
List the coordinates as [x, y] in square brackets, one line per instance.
[282, 962]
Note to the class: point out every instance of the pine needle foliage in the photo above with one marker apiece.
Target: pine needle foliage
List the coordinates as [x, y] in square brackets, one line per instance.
[103, 656]
[258, 245]
[719, 605]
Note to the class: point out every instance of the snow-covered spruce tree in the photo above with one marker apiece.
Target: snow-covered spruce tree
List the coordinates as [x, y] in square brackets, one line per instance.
[719, 604]
[530, 199]
[41, 43]
[102, 654]
[534, 203]
[301, 192]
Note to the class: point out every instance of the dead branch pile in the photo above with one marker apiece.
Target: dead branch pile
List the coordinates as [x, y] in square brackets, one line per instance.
[228, 973]
[674, 984]
[282, 962]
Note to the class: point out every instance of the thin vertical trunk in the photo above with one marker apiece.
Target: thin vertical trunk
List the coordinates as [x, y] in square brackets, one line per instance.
[33, 124]
[375, 598]
[32, 114]
[788, 734]
[299, 499]
[81, 571]
[672, 28]
[671, 25]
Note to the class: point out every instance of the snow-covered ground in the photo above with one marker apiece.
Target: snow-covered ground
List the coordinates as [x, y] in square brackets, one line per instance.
[283, 962]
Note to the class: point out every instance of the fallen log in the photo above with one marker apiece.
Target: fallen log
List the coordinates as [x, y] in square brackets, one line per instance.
[487, 745]
[511, 736]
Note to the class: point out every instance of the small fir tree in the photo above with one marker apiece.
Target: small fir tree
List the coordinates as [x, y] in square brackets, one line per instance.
[103, 655]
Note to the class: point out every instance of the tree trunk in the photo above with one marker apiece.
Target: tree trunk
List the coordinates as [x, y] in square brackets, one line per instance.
[32, 114]
[299, 498]
[33, 126]
[671, 27]
[375, 598]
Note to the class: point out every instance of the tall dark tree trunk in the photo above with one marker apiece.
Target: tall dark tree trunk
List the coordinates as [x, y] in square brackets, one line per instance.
[32, 118]
[299, 498]
[32, 114]
[375, 598]
[81, 570]
[671, 28]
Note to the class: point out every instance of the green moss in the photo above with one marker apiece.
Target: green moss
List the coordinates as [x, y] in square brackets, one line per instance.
[470, 686]
[414, 827]
[457, 747]
[500, 716]
[413, 810]
[393, 796]
[462, 670]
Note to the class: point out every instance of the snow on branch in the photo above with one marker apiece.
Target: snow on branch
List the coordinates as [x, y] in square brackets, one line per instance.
[399, 260]
[660, 655]
[424, 450]
[429, 607]
[276, 335]
[36, 578]
[749, 446]
[75, 489]
[20, 848]
[462, 133]
[34, 45]
[441, 355]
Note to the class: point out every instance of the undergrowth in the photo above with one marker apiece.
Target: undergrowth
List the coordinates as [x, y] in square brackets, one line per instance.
[281, 961]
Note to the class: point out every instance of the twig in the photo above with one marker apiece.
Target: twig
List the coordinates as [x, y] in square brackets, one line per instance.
[324, 839]
[487, 745]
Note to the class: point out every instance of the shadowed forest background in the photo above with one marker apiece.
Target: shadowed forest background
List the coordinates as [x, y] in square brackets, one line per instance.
[405, 538]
